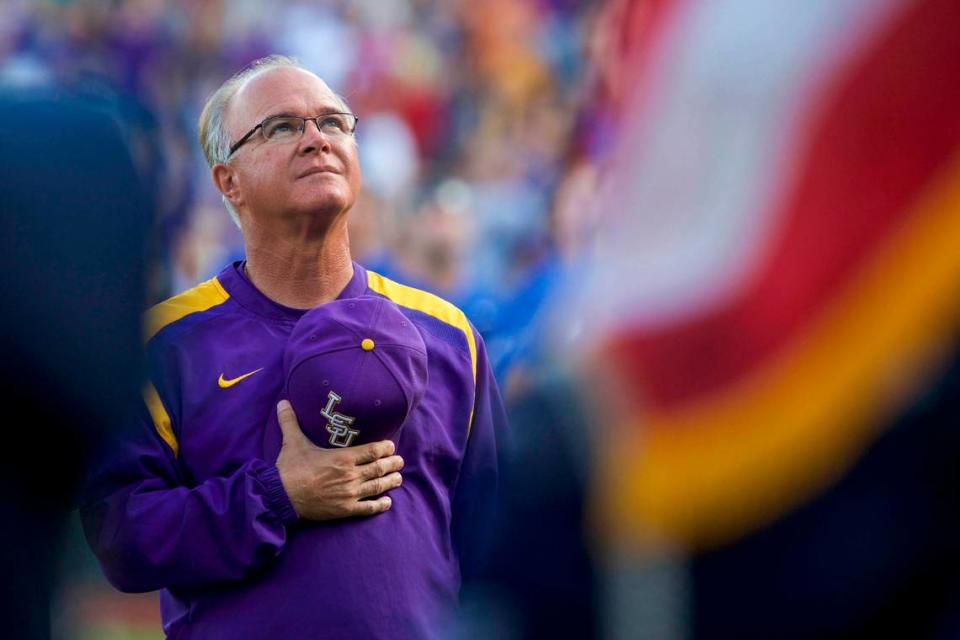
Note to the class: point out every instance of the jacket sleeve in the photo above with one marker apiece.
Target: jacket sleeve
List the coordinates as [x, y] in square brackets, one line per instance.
[151, 529]
[475, 504]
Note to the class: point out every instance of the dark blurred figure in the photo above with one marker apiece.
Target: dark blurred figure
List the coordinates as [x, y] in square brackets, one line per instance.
[73, 217]
[542, 581]
[876, 556]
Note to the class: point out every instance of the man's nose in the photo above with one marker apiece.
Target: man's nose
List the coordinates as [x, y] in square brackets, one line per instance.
[313, 138]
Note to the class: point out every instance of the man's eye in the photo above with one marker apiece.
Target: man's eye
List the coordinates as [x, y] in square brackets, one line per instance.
[333, 122]
[280, 128]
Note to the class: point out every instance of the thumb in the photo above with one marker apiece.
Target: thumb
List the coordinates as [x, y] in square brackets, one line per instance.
[289, 427]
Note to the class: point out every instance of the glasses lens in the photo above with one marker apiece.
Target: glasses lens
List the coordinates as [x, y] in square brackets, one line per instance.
[337, 123]
[282, 128]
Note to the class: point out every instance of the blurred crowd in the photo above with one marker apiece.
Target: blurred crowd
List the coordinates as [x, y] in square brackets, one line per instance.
[477, 136]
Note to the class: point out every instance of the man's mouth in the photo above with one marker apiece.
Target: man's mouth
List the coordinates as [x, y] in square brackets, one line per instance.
[314, 170]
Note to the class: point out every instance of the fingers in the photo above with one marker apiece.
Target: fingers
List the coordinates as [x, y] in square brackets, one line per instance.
[379, 485]
[326, 484]
[373, 507]
[367, 453]
[381, 467]
[288, 423]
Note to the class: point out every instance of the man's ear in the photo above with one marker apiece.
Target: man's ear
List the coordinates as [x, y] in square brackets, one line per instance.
[225, 179]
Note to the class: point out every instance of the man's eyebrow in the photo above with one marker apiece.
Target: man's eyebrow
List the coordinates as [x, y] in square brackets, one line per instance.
[282, 114]
[288, 114]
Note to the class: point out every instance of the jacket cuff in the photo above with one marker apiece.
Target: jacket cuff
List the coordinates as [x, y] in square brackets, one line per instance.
[275, 496]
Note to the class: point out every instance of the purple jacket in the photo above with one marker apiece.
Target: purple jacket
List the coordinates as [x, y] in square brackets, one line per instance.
[191, 501]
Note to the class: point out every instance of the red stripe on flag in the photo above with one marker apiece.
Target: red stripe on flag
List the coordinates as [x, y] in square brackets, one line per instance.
[890, 126]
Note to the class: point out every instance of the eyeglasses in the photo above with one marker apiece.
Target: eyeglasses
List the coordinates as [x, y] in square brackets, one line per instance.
[289, 128]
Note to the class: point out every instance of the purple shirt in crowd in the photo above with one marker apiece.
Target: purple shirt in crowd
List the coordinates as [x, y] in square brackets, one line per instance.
[191, 501]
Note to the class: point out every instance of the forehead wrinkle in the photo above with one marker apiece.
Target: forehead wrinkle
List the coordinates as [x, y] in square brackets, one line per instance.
[284, 114]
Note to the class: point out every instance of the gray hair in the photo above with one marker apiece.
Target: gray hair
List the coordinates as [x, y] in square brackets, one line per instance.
[214, 139]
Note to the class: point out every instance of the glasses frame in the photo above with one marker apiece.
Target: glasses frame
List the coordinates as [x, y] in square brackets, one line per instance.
[316, 120]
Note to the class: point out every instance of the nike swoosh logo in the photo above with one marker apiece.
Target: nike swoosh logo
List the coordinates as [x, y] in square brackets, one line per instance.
[226, 384]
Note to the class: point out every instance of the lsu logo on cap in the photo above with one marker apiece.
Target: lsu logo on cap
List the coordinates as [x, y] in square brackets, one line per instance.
[338, 424]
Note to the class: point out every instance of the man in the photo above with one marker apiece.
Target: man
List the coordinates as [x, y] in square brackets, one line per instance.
[313, 542]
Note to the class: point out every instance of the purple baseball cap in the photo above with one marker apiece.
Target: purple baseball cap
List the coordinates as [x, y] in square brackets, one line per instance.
[355, 370]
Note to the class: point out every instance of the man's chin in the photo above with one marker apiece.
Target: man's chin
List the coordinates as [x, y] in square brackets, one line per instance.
[327, 206]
